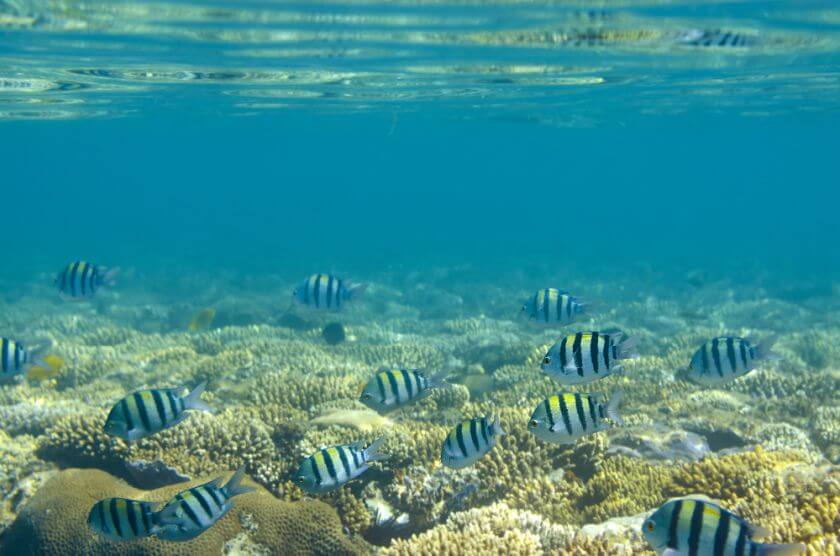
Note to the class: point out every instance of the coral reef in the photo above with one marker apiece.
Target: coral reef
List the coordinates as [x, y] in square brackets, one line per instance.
[55, 522]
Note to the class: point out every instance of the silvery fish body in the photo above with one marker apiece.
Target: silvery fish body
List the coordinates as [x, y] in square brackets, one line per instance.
[146, 412]
[193, 511]
[121, 519]
[81, 280]
[552, 307]
[390, 389]
[16, 360]
[726, 358]
[568, 416]
[693, 527]
[326, 292]
[587, 356]
[469, 441]
[330, 468]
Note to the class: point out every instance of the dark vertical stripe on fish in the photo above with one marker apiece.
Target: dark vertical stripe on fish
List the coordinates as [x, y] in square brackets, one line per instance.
[214, 494]
[474, 434]
[330, 465]
[392, 381]
[576, 353]
[559, 309]
[329, 291]
[381, 386]
[569, 308]
[101, 508]
[190, 512]
[580, 412]
[564, 410]
[607, 345]
[306, 291]
[459, 437]
[546, 308]
[673, 540]
[696, 529]
[753, 548]
[316, 471]
[316, 291]
[721, 534]
[563, 352]
[704, 357]
[115, 517]
[145, 515]
[591, 404]
[131, 516]
[716, 356]
[593, 351]
[344, 462]
[129, 422]
[338, 293]
[5, 361]
[202, 502]
[730, 354]
[172, 403]
[408, 386]
[485, 434]
[743, 347]
[548, 414]
[741, 543]
[73, 279]
[141, 408]
[84, 278]
[160, 408]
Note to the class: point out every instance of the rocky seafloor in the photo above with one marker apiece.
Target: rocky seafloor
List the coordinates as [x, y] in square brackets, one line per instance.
[766, 446]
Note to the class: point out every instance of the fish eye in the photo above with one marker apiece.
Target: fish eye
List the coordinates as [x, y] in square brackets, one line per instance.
[650, 526]
[533, 424]
[366, 396]
[546, 360]
[301, 480]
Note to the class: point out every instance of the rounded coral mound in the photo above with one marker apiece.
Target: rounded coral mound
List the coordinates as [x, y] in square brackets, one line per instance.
[54, 522]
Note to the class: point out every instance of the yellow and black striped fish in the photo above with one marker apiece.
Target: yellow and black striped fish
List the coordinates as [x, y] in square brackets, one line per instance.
[327, 292]
[724, 359]
[568, 416]
[146, 412]
[81, 280]
[587, 356]
[193, 511]
[330, 468]
[121, 519]
[393, 388]
[469, 441]
[15, 360]
[692, 527]
[550, 306]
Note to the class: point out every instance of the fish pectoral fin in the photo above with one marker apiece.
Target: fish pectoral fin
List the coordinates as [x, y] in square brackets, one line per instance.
[570, 368]
[758, 532]
[557, 427]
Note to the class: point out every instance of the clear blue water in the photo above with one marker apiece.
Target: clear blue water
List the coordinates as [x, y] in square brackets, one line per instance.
[262, 135]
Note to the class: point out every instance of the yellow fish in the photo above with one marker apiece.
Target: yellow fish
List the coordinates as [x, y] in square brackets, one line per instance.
[202, 319]
[54, 366]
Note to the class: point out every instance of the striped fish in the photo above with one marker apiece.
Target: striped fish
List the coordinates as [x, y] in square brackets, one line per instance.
[588, 356]
[550, 306]
[691, 527]
[193, 511]
[326, 292]
[16, 360]
[469, 441]
[393, 388]
[568, 416]
[716, 38]
[146, 412]
[80, 280]
[121, 519]
[330, 468]
[726, 358]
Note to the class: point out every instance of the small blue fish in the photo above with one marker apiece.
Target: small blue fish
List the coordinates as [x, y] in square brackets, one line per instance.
[390, 389]
[566, 417]
[551, 306]
[724, 359]
[469, 441]
[81, 280]
[195, 510]
[690, 527]
[146, 412]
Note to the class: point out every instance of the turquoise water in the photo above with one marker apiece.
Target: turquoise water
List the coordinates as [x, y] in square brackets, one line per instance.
[673, 162]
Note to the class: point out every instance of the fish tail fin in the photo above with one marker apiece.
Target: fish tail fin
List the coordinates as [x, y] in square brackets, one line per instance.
[497, 427]
[373, 451]
[109, 275]
[612, 408]
[355, 290]
[762, 349]
[167, 516]
[586, 306]
[626, 348]
[233, 488]
[781, 549]
[438, 380]
[193, 399]
[39, 352]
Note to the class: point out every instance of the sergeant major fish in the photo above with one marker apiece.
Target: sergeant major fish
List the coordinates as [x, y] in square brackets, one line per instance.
[16, 360]
[550, 306]
[469, 441]
[193, 511]
[393, 388]
[330, 468]
[587, 356]
[121, 519]
[724, 359]
[690, 527]
[81, 280]
[326, 292]
[146, 412]
[566, 417]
